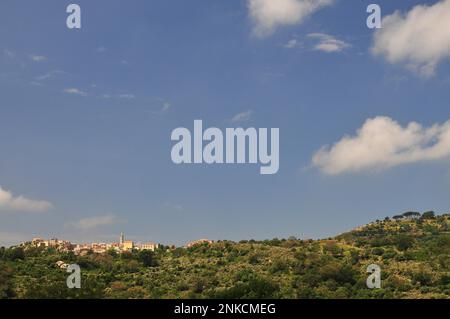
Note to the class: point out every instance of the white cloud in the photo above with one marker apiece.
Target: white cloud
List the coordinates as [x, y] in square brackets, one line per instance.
[95, 222]
[268, 15]
[38, 58]
[327, 43]
[241, 117]
[382, 143]
[75, 91]
[418, 39]
[8, 202]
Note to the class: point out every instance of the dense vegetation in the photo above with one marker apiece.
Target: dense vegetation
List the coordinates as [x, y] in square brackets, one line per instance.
[412, 250]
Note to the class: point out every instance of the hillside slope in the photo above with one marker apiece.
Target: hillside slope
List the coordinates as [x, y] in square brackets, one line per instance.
[414, 256]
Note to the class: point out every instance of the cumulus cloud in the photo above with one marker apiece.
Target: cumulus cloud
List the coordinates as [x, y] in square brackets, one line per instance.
[75, 91]
[241, 117]
[419, 39]
[9, 202]
[268, 15]
[95, 222]
[382, 143]
[327, 43]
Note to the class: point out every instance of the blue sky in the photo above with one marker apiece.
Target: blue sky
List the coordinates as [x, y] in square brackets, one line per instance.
[86, 117]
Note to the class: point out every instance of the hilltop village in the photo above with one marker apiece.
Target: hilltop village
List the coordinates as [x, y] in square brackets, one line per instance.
[121, 246]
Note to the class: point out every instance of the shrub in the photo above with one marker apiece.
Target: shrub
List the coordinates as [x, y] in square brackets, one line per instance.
[378, 251]
[423, 278]
[404, 242]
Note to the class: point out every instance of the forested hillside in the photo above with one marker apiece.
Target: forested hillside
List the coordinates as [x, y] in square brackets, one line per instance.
[412, 250]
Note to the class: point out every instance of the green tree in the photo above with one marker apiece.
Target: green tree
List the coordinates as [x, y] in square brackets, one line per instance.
[404, 242]
[147, 258]
[428, 215]
[15, 253]
[6, 287]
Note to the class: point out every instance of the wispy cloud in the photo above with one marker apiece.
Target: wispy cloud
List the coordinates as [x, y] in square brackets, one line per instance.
[160, 106]
[14, 58]
[127, 96]
[75, 91]
[36, 83]
[37, 58]
[95, 222]
[9, 202]
[101, 49]
[49, 75]
[173, 206]
[328, 43]
[9, 54]
[166, 106]
[241, 117]
[291, 44]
